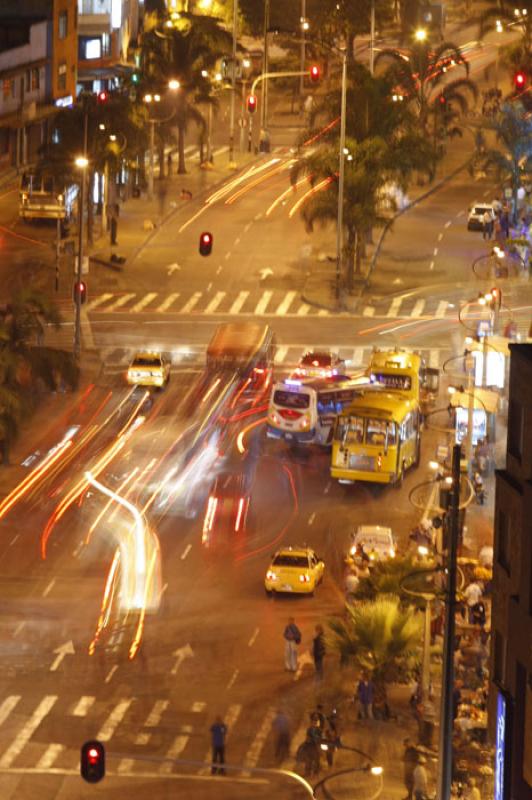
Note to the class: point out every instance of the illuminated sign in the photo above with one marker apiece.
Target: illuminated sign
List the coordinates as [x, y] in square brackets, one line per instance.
[501, 754]
[65, 102]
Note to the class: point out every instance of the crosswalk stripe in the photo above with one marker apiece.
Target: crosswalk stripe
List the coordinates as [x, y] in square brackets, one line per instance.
[168, 302]
[283, 307]
[394, 308]
[189, 305]
[369, 311]
[121, 301]
[215, 302]
[98, 301]
[261, 306]
[152, 720]
[442, 308]
[303, 310]
[7, 707]
[146, 300]
[239, 302]
[50, 756]
[358, 356]
[83, 705]
[233, 713]
[418, 308]
[253, 754]
[27, 731]
[113, 720]
[175, 749]
[323, 313]
[280, 355]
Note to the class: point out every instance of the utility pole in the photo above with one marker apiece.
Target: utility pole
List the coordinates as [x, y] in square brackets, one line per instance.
[372, 38]
[57, 253]
[470, 369]
[264, 109]
[77, 329]
[233, 85]
[452, 521]
[303, 47]
[152, 159]
[340, 219]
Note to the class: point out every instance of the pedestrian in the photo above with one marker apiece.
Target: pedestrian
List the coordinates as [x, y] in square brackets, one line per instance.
[169, 164]
[162, 191]
[365, 697]
[409, 764]
[113, 214]
[309, 753]
[218, 734]
[281, 729]
[473, 792]
[420, 779]
[318, 652]
[505, 222]
[292, 637]
[478, 614]
[472, 596]
[487, 224]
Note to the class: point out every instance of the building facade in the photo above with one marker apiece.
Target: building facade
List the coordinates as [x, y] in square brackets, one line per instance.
[511, 656]
[106, 30]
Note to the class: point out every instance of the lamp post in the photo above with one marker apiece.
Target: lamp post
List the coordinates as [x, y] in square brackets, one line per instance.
[149, 99]
[233, 85]
[304, 26]
[341, 177]
[82, 163]
[264, 106]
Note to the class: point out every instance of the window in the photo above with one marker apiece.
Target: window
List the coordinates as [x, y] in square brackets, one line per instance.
[351, 430]
[291, 399]
[503, 540]
[61, 76]
[93, 49]
[35, 79]
[63, 25]
[515, 429]
[13, 87]
[6, 88]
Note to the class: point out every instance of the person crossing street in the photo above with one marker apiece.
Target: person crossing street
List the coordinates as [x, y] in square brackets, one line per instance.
[292, 638]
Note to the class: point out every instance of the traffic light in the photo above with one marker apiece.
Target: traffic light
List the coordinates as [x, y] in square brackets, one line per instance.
[92, 761]
[520, 80]
[252, 103]
[79, 289]
[443, 100]
[496, 297]
[205, 243]
[315, 73]
[135, 77]
[102, 96]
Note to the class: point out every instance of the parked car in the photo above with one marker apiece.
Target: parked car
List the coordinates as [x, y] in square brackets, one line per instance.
[378, 542]
[475, 217]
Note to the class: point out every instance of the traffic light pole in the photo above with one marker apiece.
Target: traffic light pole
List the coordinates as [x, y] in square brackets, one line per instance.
[233, 85]
[77, 328]
[265, 77]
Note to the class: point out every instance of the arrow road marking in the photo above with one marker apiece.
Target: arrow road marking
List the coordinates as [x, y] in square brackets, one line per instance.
[180, 654]
[66, 649]
[173, 268]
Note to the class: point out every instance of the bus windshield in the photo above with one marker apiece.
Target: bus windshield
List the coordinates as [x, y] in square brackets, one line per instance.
[291, 399]
[393, 381]
[358, 430]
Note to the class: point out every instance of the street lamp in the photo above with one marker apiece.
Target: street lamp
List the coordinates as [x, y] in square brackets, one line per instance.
[149, 99]
[81, 162]
[174, 85]
[420, 35]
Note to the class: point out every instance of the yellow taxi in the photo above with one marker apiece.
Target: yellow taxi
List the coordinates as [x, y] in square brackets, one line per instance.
[148, 369]
[296, 570]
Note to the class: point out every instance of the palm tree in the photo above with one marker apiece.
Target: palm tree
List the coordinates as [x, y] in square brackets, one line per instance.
[513, 159]
[386, 578]
[379, 636]
[420, 77]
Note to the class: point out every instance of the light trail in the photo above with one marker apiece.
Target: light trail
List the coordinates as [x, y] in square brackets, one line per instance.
[108, 504]
[317, 188]
[210, 390]
[320, 133]
[249, 186]
[244, 431]
[105, 609]
[291, 189]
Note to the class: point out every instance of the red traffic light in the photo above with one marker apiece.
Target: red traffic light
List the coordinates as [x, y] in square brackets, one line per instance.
[496, 296]
[103, 96]
[520, 80]
[92, 761]
[205, 243]
[79, 291]
[252, 103]
[315, 73]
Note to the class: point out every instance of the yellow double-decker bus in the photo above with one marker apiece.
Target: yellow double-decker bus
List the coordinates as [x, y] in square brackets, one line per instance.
[377, 438]
[399, 370]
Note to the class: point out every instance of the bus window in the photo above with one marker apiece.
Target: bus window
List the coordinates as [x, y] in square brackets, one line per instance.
[291, 399]
[376, 432]
[351, 430]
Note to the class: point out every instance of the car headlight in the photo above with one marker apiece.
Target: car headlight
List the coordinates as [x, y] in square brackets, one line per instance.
[271, 576]
[352, 551]
[304, 578]
[392, 552]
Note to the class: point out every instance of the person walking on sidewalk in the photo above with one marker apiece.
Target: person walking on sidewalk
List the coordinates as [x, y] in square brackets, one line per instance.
[318, 652]
[487, 225]
[365, 697]
[292, 638]
[218, 734]
[409, 764]
[281, 730]
[420, 779]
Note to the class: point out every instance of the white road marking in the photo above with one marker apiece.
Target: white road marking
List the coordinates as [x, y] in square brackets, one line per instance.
[198, 706]
[49, 588]
[280, 354]
[83, 705]
[358, 356]
[234, 676]
[311, 518]
[168, 302]
[121, 301]
[418, 308]
[237, 240]
[175, 749]
[50, 756]
[323, 313]
[369, 311]
[448, 223]
[14, 539]
[461, 213]
[19, 628]
[435, 252]
[258, 216]
[247, 227]
[239, 302]
[253, 638]
[186, 551]
[442, 308]
[165, 587]
[440, 237]
[111, 673]
[189, 305]
[98, 301]
[303, 310]
[219, 268]
[283, 307]
[27, 731]
[173, 268]
[253, 754]
[233, 712]
[152, 720]
[7, 707]
[326, 490]
[113, 720]
[215, 302]
[146, 300]
[394, 308]
[227, 255]
[260, 308]
[209, 287]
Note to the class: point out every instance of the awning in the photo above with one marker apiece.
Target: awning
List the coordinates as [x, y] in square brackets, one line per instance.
[483, 399]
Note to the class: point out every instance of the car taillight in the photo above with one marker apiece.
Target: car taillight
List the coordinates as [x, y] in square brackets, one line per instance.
[209, 516]
[379, 461]
[304, 579]
[240, 509]
[304, 422]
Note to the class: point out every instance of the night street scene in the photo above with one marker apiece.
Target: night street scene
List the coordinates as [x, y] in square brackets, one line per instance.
[266, 399]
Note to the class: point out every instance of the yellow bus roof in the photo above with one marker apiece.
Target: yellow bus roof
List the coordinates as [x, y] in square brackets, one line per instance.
[389, 405]
[395, 359]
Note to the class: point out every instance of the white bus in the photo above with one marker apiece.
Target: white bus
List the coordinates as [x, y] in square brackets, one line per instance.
[303, 411]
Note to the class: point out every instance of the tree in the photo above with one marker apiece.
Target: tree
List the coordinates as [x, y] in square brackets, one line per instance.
[513, 159]
[379, 636]
[520, 19]
[386, 578]
[420, 77]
